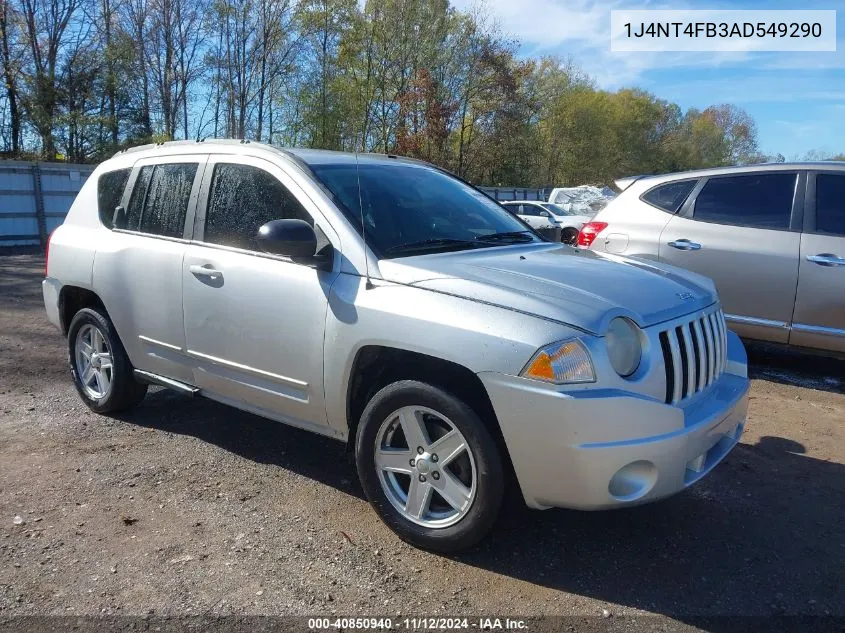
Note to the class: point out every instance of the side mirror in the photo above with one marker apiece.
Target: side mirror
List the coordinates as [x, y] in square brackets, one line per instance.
[291, 238]
[545, 214]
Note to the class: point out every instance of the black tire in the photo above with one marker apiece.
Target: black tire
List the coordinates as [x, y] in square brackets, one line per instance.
[484, 509]
[125, 392]
[569, 235]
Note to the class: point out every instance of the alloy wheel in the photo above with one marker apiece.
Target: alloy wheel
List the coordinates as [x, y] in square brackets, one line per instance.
[93, 362]
[425, 466]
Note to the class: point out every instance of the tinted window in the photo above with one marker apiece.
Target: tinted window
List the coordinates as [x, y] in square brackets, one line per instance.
[242, 199]
[557, 209]
[159, 201]
[758, 200]
[830, 204]
[407, 203]
[670, 196]
[110, 188]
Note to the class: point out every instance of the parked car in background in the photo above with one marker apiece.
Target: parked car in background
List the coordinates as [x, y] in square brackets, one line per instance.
[771, 236]
[582, 200]
[537, 218]
[546, 214]
[531, 213]
[384, 303]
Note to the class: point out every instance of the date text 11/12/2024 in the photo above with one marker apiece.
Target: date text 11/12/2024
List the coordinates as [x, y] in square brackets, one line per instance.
[418, 623]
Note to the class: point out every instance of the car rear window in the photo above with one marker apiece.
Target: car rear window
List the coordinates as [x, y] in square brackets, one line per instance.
[159, 202]
[761, 200]
[830, 204]
[670, 196]
[110, 186]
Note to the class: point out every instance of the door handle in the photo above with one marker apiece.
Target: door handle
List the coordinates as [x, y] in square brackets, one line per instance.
[684, 244]
[826, 259]
[205, 271]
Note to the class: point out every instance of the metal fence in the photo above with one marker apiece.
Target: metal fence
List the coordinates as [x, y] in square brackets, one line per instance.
[34, 199]
[517, 193]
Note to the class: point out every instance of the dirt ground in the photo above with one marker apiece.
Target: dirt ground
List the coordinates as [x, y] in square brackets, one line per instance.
[186, 506]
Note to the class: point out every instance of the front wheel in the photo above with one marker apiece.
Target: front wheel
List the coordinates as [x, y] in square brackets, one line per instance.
[429, 467]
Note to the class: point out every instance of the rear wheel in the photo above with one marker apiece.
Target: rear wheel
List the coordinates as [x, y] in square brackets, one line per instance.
[569, 235]
[99, 366]
[429, 466]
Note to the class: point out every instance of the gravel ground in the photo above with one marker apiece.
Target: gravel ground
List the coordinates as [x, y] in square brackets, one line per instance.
[186, 506]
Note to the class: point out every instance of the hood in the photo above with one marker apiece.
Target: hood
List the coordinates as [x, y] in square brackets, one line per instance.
[580, 288]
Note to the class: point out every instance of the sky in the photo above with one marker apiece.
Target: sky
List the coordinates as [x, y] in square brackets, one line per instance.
[796, 98]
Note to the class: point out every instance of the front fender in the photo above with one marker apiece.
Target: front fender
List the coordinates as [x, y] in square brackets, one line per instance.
[477, 336]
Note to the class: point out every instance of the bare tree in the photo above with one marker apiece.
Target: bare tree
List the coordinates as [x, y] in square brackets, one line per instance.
[11, 49]
[51, 29]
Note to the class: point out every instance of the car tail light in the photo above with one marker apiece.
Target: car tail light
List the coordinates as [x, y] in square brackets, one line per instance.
[47, 256]
[589, 232]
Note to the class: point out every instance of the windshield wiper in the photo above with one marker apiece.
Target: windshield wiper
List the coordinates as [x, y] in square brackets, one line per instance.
[429, 244]
[514, 236]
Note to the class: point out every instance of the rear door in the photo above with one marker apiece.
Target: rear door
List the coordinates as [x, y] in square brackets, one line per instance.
[138, 271]
[819, 320]
[531, 214]
[743, 231]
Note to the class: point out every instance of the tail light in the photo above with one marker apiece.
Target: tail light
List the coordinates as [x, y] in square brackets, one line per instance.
[589, 232]
[47, 257]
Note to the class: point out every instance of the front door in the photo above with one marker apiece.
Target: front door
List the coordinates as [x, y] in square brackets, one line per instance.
[254, 323]
[738, 231]
[819, 320]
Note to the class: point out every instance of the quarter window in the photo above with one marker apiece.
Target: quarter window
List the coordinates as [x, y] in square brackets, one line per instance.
[830, 204]
[242, 199]
[159, 202]
[110, 188]
[670, 196]
[756, 200]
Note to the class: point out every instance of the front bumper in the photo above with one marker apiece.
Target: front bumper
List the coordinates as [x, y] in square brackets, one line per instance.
[603, 448]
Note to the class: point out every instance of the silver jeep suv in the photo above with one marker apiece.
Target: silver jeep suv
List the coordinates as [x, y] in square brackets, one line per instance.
[384, 303]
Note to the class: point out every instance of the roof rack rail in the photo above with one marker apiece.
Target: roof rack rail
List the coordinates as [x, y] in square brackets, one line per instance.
[146, 146]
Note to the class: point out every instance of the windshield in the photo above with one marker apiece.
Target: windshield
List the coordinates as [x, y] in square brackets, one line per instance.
[409, 209]
[557, 209]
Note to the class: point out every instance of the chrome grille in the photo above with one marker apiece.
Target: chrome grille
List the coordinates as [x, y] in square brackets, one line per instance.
[694, 354]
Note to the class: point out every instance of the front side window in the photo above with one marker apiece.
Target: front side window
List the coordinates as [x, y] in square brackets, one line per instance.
[242, 199]
[761, 200]
[110, 186]
[556, 209]
[410, 208]
[670, 196]
[830, 204]
[159, 202]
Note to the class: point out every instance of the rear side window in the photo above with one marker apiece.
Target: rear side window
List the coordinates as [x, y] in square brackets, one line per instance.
[756, 200]
[830, 203]
[242, 199]
[159, 202]
[110, 188]
[670, 196]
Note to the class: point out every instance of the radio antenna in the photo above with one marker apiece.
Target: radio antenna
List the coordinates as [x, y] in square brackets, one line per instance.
[369, 284]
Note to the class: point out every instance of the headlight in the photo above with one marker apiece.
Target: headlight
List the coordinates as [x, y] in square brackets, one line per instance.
[624, 346]
[560, 363]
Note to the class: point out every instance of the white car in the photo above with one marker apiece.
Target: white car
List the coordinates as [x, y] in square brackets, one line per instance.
[383, 303]
[545, 214]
